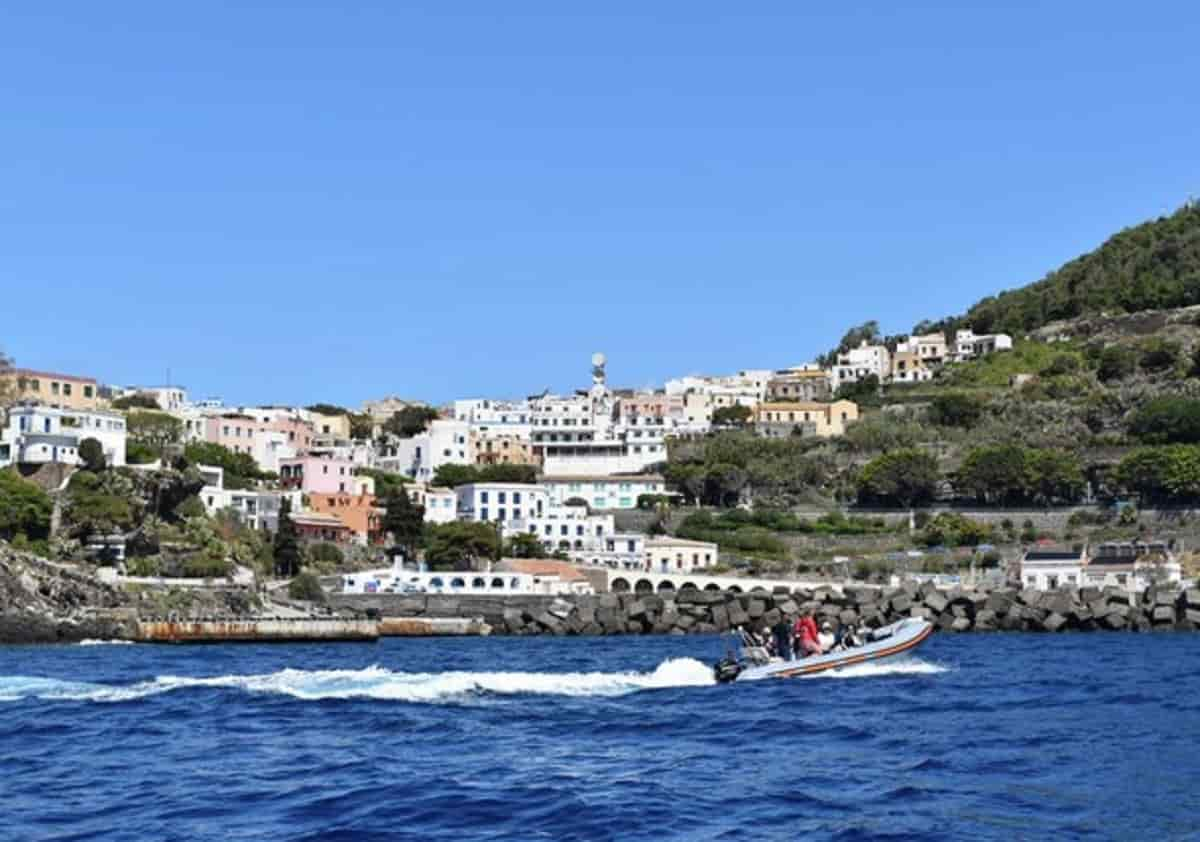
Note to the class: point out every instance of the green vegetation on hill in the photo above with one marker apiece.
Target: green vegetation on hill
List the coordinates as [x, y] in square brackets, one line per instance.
[1155, 265]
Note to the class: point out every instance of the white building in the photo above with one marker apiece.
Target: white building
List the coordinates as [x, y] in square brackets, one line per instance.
[746, 388]
[256, 509]
[861, 362]
[603, 492]
[445, 442]
[498, 582]
[1132, 565]
[500, 502]
[1050, 568]
[44, 435]
[665, 554]
[583, 433]
[968, 345]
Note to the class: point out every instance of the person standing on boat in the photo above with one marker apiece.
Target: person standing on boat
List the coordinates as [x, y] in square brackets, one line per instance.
[783, 640]
[806, 633]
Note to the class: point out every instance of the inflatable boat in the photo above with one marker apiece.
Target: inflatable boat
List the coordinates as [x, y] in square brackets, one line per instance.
[750, 663]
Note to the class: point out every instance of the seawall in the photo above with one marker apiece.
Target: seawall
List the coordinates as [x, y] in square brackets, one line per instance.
[708, 612]
[254, 630]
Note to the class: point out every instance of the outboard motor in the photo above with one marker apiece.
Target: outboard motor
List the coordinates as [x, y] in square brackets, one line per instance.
[726, 670]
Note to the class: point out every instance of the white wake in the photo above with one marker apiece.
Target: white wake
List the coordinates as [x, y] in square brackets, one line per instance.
[376, 683]
[873, 669]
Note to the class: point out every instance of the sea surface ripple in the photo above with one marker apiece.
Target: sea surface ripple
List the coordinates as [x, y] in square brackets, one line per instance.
[980, 737]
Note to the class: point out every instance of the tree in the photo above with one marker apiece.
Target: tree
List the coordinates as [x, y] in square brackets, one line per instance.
[386, 482]
[997, 474]
[240, 469]
[450, 475]
[902, 477]
[1167, 420]
[460, 544]
[524, 545]
[1162, 473]
[94, 506]
[361, 425]
[91, 453]
[306, 586]
[1055, 476]
[286, 545]
[866, 332]
[410, 421]
[153, 429]
[8, 386]
[138, 400]
[864, 391]
[732, 416]
[405, 521]
[24, 508]
[955, 409]
[328, 409]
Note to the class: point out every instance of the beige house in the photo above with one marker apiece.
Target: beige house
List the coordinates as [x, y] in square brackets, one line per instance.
[58, 391]
[665, 554]
[910, 367]
[811, 418]
[332, 426]
[799, 384]
[495, 448]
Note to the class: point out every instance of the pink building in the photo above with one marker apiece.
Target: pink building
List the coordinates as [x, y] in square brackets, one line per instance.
[238, 431]
[317, 475]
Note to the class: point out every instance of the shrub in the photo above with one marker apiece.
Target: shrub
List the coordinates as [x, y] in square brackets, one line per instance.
[1116, 363]
[191, 507]
[325, 555]
[955, 409]
[1167, 420]
[306, 586]
[1061, 364]
[1158, 354]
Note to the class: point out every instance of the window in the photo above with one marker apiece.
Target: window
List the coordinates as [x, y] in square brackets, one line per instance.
[54, 387]
[516, 514]
[502, 497]
[516, 497]
[579, 529]
[564, 530]
[501, 515]
[483, 513]
[598, 502]
[483, 497]
[66, 388]
[549, 529]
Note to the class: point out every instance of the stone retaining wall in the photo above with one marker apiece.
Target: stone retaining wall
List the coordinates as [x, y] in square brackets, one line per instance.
[708, 612]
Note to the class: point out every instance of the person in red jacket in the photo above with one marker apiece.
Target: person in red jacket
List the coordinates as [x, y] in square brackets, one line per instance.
[806, 635]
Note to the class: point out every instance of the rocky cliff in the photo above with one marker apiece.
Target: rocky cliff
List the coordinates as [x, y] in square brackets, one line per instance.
[44, 602]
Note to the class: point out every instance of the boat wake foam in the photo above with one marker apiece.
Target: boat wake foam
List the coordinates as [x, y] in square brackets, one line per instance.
[104, 642]
[375, 683]
[873, 669]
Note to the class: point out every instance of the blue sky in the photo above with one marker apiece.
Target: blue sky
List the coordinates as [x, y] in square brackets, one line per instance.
[314, 201]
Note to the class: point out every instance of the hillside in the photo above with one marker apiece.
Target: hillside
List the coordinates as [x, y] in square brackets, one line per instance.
[1152, 266]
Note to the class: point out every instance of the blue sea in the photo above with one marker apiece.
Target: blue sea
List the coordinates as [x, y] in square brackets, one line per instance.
[979, 737]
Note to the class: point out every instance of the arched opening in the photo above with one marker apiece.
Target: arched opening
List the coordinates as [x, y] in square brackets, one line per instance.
[666, 585]
[734, 589]
[758, 589]
[436, 582]
[619, 585]
[514, 583]
[644, 586]
[457, 582]
[498, 583]
[713, 587]
[578, 544]
[688, 586]
[478, 582]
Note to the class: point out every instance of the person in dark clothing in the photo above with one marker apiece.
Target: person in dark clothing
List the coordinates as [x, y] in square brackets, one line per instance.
[783, 640]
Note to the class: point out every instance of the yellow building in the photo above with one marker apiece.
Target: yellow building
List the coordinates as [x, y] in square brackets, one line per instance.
[60, 391]
[811, 418]
[336, 426]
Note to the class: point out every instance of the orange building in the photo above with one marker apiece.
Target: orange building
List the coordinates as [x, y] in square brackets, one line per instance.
[358, 512]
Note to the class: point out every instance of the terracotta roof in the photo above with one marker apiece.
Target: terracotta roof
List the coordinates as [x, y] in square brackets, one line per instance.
[540, 567]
